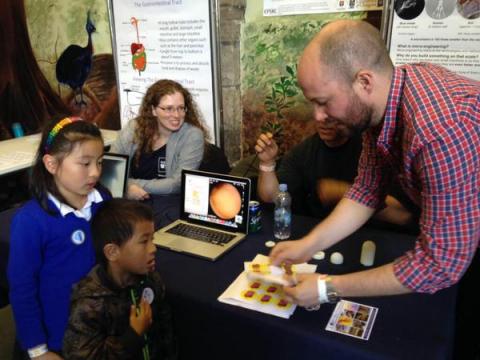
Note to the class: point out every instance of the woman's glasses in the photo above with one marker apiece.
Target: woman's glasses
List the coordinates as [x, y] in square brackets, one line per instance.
[172, 109]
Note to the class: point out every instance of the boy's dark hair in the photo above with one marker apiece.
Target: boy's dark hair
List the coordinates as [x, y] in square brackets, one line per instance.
[114, 223]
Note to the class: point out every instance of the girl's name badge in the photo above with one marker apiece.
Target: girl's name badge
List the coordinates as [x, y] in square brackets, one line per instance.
[148, 295]
[78, 237]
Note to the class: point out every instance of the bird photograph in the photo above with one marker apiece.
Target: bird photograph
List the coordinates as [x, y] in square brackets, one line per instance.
[74, 64]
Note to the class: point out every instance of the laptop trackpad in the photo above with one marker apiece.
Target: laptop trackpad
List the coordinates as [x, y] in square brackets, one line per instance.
[181, 244]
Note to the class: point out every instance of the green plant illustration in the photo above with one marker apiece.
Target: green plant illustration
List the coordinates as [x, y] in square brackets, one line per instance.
[271, 98]
[280, 98]
[283, 89]
[275, 128]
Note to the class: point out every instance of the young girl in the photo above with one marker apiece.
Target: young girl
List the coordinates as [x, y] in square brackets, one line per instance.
[51, 246]
[167, 136]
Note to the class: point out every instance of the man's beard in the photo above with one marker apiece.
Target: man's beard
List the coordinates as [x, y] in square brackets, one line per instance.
[359, 115]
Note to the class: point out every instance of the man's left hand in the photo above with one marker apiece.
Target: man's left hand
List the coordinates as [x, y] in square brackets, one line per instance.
[305, 293]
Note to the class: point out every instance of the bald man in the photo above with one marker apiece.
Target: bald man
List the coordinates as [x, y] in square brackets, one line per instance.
[421, 123]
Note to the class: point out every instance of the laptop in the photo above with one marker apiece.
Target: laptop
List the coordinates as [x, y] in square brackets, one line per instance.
[115, 173]
[213, 215]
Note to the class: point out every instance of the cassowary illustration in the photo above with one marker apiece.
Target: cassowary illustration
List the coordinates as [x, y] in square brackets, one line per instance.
[75, 63]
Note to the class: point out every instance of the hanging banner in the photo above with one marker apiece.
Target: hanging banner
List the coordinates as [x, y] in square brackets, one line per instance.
[295, 7]
[444, 32]
[165, 39]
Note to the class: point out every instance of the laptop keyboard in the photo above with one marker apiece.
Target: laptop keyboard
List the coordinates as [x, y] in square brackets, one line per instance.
[202, 234]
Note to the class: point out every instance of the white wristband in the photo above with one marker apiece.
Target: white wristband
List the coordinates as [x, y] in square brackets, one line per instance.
[267, 168]
[37, 351]
[322, 290]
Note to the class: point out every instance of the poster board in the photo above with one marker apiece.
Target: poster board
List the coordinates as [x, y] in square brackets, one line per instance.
[166, 39]
[297, 7]
[444, 32]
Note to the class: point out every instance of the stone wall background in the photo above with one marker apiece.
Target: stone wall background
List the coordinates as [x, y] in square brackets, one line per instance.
[232, 13]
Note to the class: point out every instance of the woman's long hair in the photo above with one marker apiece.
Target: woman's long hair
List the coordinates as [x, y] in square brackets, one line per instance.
[147, 126]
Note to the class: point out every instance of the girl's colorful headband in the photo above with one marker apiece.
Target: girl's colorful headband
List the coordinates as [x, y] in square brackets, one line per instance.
[57, 128]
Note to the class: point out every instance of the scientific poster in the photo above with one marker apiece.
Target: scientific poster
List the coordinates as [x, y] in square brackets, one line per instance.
[164, 39]
[295, 7]
[445, 32]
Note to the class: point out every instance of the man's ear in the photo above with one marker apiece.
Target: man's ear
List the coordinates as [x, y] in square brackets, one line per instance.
[51, 163]
[111, 252]
[364, 82]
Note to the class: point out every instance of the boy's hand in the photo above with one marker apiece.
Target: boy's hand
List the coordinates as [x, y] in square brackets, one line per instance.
[141, 322]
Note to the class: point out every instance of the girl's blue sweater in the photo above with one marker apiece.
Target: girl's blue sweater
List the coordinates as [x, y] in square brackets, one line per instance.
[49, 253]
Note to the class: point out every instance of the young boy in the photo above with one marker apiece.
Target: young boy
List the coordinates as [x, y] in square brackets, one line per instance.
[119, 310]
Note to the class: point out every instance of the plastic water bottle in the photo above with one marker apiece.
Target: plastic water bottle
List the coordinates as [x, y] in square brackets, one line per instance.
[283, 214]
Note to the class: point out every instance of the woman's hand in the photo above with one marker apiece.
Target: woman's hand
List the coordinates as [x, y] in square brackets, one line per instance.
[135, 192]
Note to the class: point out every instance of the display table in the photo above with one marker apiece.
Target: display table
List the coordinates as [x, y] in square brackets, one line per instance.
[19, 153]
[415, 326]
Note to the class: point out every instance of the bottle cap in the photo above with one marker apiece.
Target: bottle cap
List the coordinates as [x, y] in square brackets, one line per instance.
[283, 187]
[270, 244]
[17, 129]
[336, 258]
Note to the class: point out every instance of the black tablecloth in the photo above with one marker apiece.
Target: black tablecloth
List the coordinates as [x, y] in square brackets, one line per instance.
[415, 326]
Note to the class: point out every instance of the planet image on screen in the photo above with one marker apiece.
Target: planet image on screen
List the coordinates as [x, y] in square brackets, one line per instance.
[225, 201]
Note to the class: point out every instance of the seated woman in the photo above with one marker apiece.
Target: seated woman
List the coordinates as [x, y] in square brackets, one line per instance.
[166, 137]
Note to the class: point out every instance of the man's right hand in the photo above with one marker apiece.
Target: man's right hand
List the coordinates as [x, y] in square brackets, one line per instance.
[291, 252]
[266, 148]
[141, 322]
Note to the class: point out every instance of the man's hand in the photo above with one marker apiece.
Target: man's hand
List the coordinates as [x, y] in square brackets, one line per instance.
[305, 293]
[291, 252]
[141, 322]
[135, 192]
[266, 148]
[331, 191]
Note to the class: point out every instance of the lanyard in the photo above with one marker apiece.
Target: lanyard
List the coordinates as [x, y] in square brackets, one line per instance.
[145, 350]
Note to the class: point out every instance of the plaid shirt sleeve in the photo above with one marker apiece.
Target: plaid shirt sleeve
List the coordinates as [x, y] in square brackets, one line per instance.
[450, 220]
[369, 186]
[441, 129]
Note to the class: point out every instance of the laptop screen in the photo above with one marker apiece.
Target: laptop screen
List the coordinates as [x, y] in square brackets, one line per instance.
[115, 173]
[215, 200]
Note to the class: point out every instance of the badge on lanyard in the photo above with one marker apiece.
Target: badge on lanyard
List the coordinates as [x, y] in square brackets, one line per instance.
[148, 295]
[78, 237]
